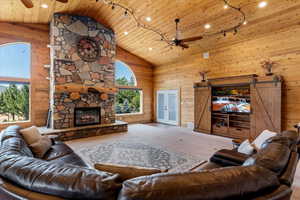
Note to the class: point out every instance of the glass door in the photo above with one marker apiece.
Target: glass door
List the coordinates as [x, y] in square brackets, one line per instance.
[167, 107]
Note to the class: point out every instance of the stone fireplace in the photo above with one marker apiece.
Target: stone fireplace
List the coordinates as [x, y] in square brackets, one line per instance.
[82, 73]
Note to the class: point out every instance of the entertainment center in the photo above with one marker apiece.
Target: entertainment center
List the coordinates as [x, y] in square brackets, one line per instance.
[238, 107]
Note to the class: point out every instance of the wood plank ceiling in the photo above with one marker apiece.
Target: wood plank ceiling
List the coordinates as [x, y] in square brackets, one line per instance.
[193, 13]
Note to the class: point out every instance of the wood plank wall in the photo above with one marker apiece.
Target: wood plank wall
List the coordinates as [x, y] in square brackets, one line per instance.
[281, 46]
[143, 71]
[38, 36]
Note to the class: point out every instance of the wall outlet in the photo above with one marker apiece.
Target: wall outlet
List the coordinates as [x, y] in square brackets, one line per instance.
[206, 55]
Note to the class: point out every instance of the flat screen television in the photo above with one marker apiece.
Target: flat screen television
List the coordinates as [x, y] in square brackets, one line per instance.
[225, 104]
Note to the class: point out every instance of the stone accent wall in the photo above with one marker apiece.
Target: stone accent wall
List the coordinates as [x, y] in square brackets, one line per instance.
[68, 68]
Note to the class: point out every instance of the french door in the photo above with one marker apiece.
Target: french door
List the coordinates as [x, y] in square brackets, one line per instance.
[167, 107]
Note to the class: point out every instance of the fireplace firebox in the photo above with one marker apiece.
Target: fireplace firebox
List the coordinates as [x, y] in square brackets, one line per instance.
[87, 116]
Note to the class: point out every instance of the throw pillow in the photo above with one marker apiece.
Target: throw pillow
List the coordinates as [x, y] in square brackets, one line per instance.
[31, 135]
[127, 172]
[246, 148]
[266, 134]
[40, 147]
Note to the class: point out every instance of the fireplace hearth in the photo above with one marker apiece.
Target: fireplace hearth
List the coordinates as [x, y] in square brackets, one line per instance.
[87, 116]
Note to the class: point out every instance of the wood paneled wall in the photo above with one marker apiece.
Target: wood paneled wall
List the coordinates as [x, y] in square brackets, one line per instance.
[38, 37]
[281, 46]
[143, 71]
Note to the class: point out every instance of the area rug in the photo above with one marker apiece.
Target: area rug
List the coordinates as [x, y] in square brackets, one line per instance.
[138, 154]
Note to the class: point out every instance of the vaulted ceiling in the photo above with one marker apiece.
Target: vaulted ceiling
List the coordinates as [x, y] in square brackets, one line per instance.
[278, 15]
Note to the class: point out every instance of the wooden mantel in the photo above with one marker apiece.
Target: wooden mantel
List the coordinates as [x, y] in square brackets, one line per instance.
[71, 87]
[76, 89]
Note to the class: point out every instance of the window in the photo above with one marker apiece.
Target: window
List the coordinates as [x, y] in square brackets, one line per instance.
[15, 64]
[128, 99]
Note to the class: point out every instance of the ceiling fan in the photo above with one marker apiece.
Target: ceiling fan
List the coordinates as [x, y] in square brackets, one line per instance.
[181, 42]
[29, 4]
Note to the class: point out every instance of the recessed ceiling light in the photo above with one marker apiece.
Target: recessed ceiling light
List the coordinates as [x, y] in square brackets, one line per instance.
[207, 26]
[148, 19]
[44, 5]
[125, 33]
[245, 22]
[150, 48]
[225, 6]
[262, 4]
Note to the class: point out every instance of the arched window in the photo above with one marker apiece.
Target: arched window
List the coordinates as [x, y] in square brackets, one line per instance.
[15, 62]
[129, 97]
[124, 75]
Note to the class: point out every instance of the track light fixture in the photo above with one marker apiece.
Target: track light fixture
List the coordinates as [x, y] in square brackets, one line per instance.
[130, 12]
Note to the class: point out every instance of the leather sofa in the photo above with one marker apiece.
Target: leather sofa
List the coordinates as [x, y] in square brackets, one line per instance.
[61, 174]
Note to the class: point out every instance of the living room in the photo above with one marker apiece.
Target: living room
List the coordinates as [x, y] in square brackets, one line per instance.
[133, 100]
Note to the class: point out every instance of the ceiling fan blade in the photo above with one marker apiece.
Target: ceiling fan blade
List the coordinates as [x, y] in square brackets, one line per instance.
[27, 3]
[177, 31]
[192, 39]
[184, 46]
[63, 1]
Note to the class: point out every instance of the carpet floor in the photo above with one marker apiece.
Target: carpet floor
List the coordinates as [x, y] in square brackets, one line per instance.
[176, 141]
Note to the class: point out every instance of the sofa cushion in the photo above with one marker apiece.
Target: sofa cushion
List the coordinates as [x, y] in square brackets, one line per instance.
[283, 192]
[59, 149]
[40, 147]
[287, 176]
[11, 131]
[55, 179]
[274, 157]
[206, 166]
[72, 159]
[17, 145]
[277, 139]
[225, 157]
[222, 183]
[293, 136]
[31, 135]
[127, 172]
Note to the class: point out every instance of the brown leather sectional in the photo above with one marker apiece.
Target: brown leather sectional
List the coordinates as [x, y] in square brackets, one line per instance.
[61, 174]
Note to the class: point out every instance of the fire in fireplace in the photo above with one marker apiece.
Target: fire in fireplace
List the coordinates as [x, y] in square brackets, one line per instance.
[87, 116]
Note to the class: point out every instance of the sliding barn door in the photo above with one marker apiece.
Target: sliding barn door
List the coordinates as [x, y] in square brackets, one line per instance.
[203, 109]
[265, 107]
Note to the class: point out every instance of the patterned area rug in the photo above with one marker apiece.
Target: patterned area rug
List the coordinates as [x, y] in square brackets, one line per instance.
[138, 154]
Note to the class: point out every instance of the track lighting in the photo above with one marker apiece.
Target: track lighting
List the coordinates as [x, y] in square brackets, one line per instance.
[130, 12]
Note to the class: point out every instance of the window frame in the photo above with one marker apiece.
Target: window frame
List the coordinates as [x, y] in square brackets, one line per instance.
[130, 87]
[5, 79]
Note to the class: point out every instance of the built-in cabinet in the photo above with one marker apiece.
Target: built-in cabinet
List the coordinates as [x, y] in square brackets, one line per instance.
[238, 107]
